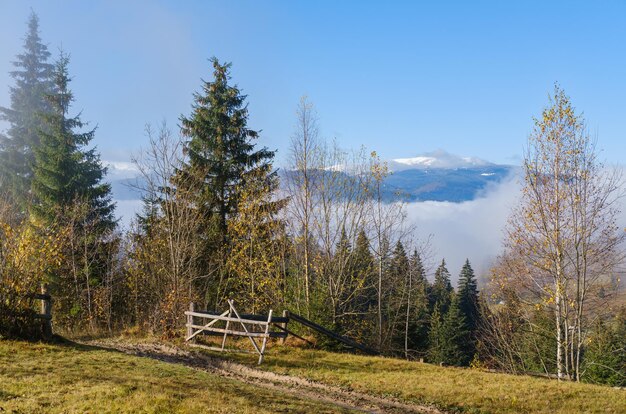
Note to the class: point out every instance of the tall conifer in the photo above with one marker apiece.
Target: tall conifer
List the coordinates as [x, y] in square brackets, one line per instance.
[441, 289]
[220, 147]
[418, 337]
[363, 275]
[448, 335]
[65, 172]
[468, 296]
[33, 81]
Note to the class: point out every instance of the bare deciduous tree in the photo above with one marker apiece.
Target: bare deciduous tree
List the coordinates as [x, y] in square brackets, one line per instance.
[565, 228]
[299, 182]
[166, 250]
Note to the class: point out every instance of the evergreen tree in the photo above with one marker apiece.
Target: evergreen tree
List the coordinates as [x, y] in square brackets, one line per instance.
[363, 282]
[456, 335]
[436, 337]
[220, 148]
[605, 358]
[363, 274]
[399, 263]
[468, 296]
[337, 280]
[418, 318]
[441, 289]
[448, 336]
[68, 195]
[469, 304]
[399, 281]
[33, 81]
[65, 172]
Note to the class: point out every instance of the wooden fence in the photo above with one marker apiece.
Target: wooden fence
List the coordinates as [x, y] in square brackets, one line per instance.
[255, 327]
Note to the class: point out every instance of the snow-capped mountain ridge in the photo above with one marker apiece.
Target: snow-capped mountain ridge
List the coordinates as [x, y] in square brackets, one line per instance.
[436, 159]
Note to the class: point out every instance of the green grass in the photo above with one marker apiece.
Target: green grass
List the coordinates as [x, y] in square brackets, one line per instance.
[70, 378]
[454, 389]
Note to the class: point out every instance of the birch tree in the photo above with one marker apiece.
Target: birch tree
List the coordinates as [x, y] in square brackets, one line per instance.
[304, 152]
[565, 227]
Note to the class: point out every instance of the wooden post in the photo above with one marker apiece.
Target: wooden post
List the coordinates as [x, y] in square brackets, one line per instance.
[267, 334]
[46, 311]
[192, 308]
[230, 314]
[284, 325]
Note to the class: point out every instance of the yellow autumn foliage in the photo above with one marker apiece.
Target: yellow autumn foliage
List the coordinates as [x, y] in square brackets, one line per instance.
[27, 259]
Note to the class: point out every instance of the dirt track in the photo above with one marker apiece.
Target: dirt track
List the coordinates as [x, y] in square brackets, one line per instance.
[300, 387]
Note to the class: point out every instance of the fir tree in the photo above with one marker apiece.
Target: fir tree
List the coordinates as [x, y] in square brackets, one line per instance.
[363, 275]
[65, 172]
[456, 335]
[399, 281]
[33, 81]
[448, 336]
[468, 302]
[399, 264]
[605, 356]
[436, 337]
[220, 147]
[418, 318]
[441, 289]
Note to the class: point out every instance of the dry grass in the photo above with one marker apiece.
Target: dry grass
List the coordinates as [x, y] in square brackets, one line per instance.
[70, 378]
[451, 389]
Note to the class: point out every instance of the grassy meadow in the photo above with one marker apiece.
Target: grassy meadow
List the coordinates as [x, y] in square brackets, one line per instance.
[70, 378]
[451, 389]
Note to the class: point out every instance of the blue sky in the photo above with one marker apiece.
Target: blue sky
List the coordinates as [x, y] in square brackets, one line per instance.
[401, 78]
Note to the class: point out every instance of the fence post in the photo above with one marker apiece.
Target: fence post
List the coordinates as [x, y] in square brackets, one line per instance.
[46, 311]
[267, 334]
[192, 308]
[284, 325]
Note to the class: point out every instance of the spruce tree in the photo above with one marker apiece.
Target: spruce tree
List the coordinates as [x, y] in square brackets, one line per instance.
[448, 336]
[399, 263]
[363, 275]
[68, 194]
[436, 337]
[418, 338]
[468, 298]
[341, 268]
[456, 335]
[441, 289]
[220, 148]
[605, 356]
[33, 82]
[65, 172]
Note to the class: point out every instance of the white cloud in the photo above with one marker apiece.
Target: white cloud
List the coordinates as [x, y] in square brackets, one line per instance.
[471, 229]
[120, 170]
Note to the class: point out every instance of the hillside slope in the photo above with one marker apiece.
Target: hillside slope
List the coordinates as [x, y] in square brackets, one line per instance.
[71, 378]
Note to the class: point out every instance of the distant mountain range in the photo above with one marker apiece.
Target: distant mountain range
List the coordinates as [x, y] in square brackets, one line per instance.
[433, 176]
[444, 184]
[441, 176]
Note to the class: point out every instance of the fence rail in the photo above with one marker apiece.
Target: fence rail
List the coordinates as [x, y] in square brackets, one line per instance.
[340, 338]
